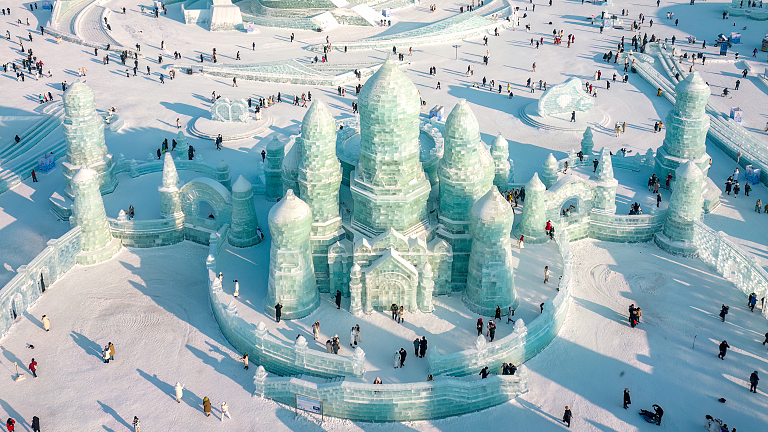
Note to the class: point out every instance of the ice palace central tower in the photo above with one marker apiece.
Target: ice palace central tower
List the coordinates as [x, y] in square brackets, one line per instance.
[399, 245]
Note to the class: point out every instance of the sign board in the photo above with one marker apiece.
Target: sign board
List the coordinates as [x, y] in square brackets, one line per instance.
[314, 406]
[47, 5]
[736, 114]
[250, 28]
[735, 37]
[438, 113]
[723, 49]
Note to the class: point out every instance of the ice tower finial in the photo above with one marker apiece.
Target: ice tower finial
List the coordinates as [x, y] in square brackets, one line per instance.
[685, 207]
[502, 166]
[89, 214]
[170, 176]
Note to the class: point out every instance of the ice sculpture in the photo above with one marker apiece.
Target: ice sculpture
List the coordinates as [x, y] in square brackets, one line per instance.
[243, 228]
[503, 166]
[684, 210]
[565, 98]
[687, 126]
[491, 280]
[182, 147]
[534, 212]
[89, 214]
[319, 179]
[170, 199]
[466, 173]
[388, 186]
[291, 273]
[235, 111]
[605, 190]
[586, 142]
[84, 135]
[225, 16]
[273, 171]
[550, 171]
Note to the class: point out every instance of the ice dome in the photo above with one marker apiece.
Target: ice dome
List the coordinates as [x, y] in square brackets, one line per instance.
[318, 123]
[535, 184]
[492, 207]
[389, 98]
[84, 175]
[288, 210]
[461, 125]
[241, 186]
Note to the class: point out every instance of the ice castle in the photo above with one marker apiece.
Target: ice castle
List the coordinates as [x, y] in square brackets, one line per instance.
[403, 242]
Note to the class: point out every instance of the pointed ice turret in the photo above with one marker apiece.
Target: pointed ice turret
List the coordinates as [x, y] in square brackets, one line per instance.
[685, 208]
[491, 280]
[466, 172]
[605, 192]
[389, 186]
[551, 171]
[84, 135]
[170, 200]
[534, 218]
[291, 274]
[503, 167]
[243, 228]
[587, 144]
[687, 126]
[273, 171]
[319, 179]
[89, 214]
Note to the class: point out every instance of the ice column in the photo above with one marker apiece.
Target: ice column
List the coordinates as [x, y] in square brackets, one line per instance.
[550, 173]
[684, 210]
[491, 281]
[291, 274]
[242, 231]
[273, 172]
[426, 288]
[503, 167]
[605, 192]
[84, 135]
[389, 186]
[89, 214]
[466, 173]
[687, 126]
[586, 142]
[319, 180]
[534, 212]
[170, 200]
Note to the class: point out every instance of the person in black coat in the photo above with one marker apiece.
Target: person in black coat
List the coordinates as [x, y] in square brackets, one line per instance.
[753, 379]
[422, 346]
[403, 354]
[497, 316]
[659, 413]
[338, 299]
[35, 424]
[483, 373]
[723, 349]
[278, 311]
[627, 399]
[723, 312]
[567, 416]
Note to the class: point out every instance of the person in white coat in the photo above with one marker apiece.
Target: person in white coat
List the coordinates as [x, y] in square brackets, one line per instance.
[105, 354]
[353, 337]
[46, 323]
[179, 392]
[316, 330]
[237, 288]
[225, 411]
[397, 359]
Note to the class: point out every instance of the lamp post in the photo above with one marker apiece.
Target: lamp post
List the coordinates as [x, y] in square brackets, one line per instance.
[457, 51]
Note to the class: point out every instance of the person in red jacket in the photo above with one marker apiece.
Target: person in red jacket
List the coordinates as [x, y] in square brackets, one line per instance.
[33, 368]
[10, 424]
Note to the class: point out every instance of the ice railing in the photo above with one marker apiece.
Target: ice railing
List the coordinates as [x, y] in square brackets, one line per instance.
[730, 261]
[21, 292]
[730, 137]
[443, 397]
[277, 356]
[524, 342]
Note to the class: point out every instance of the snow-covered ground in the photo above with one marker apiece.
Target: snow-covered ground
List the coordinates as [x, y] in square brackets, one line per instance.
[152, 303]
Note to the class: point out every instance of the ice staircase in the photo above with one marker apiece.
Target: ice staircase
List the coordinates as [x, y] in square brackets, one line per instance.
[18, 160]
[367, 13]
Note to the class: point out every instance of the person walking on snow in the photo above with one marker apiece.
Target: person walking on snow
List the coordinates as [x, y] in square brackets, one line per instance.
[245, 361]
[723, 312]
[278, 311]
[397, 359]
[353, 337]
[753, 379]
[105, 354]
[752, 301]
[33, 368]
[111, 351]
[207, 406]
[497, 315]
[627, 399]
[422, 346]
[546, 274]
[179, 392]
[237, 289]
[479, 326]
[403, 354]
[416, 343]
[338, 299]
[136, 424]
[510, 314]
[35, 424]
[225, 411]
[723, 349]
[567, 415]
[10, 424]
[316, 329]
[46, 323]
